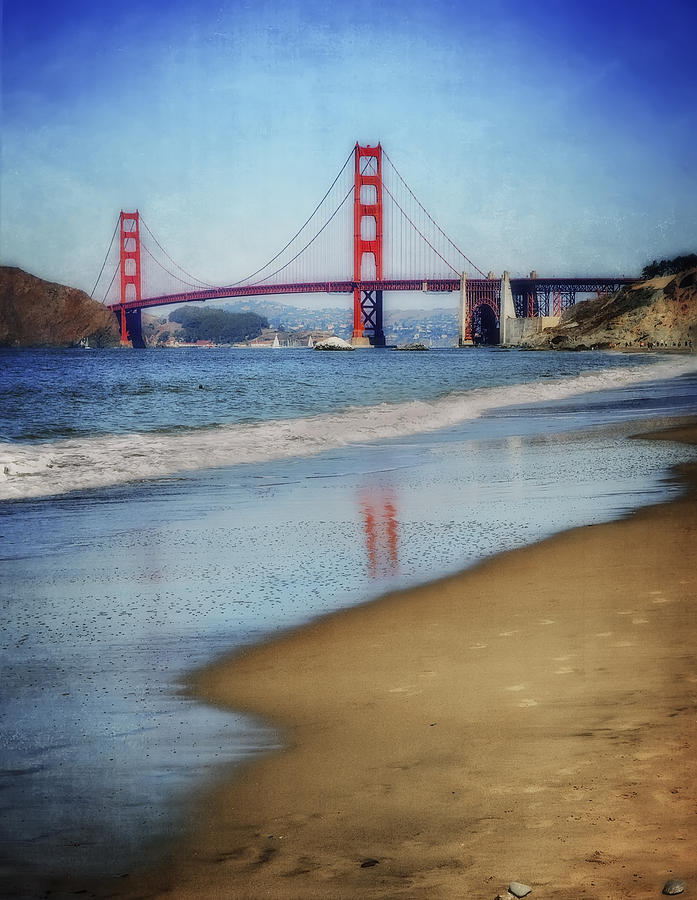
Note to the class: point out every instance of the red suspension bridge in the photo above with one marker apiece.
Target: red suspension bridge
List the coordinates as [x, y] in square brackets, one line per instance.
[382, 240]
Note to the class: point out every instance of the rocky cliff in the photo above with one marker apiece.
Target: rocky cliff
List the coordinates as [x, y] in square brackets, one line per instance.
[656, 313]
[37, 313]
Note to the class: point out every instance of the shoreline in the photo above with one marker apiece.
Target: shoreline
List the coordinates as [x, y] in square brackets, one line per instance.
[529, 719]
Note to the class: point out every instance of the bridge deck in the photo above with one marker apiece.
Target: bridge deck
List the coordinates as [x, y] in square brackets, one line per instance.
[584, 284]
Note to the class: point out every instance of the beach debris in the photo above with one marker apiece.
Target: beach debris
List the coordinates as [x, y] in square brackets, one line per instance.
[367, 863]
[674, 886]
[505, 896]
[518, 889]
[333, 343]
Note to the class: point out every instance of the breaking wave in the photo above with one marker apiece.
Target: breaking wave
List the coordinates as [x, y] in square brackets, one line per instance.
[45, 469]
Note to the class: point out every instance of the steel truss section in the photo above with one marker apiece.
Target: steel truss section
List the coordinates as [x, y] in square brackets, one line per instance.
[371, 317]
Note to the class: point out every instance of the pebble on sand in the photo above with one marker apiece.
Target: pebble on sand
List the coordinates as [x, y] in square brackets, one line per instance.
[518, 889]
[674, 886]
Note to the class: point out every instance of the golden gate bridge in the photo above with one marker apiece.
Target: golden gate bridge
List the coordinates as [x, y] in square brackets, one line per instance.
[369, 234]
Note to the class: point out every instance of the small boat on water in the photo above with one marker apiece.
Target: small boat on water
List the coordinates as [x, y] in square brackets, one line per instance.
[276, 342]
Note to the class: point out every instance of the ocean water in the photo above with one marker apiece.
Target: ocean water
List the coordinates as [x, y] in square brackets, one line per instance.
[162, 508]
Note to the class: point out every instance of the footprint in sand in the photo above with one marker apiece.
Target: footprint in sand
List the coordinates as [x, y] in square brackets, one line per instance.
[562, 658]
[478, 646]
[546, 622]
[564, 670]
[624, 644]
[525, 704]
[516, 687]
[507, 633]
[640, 621]
[604, 634]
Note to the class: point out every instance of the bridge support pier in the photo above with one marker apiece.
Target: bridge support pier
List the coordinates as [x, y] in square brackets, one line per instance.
[130, 323]
[370, 312]
[463, 340]
[507, 307]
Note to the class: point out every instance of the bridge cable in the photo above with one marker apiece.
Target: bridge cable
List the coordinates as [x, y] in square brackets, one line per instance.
[422, 236]
[144, 246]
[285, 265]
[111, 242]
[188, 274]
[300, 252]
[464, 256]
[307, 221]
[110, 284]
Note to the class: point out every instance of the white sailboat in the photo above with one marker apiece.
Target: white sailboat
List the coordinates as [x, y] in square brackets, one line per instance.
[310, 343]
[276, 343]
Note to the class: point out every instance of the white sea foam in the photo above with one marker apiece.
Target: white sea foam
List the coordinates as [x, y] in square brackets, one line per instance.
[44, 469]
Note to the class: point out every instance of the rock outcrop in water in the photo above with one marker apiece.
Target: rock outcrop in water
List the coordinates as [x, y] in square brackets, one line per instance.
[38, 313]
[333, 343]
[659, 313]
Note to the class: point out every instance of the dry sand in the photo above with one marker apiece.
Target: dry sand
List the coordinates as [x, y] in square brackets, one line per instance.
[532, 719]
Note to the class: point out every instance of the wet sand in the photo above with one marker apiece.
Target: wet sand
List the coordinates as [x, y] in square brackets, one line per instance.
[532, 719]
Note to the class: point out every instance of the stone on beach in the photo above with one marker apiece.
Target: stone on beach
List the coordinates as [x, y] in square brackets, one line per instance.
[674, 886]
[518, 889]
[333, 343]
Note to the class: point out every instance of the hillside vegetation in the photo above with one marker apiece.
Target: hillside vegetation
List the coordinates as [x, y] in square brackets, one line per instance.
[38, 313]
[658, 312]
[217, 325]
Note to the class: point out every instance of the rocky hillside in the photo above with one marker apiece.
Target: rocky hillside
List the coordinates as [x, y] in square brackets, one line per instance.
[659, 312]
[38, 313]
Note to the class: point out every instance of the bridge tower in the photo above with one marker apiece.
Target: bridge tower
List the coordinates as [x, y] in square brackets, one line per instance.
[367, 246]
[131, 286]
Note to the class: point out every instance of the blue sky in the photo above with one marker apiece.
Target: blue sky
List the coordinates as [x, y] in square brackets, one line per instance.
[550, 135]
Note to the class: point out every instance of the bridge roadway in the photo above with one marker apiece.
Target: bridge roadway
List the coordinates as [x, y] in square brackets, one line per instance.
[585, 284]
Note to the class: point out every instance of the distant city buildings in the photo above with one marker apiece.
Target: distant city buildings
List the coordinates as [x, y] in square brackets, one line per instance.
[294, 325]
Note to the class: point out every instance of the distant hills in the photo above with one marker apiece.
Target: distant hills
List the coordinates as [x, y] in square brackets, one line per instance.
[434, 325]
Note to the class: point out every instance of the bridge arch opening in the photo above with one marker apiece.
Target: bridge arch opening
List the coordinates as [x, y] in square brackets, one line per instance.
[368, 194]
[369, 228]
[485, 328]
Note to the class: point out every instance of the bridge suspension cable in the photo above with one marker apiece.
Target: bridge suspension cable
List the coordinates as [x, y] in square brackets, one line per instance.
[248, 278]
[431, 219]
[313, 239]
[418, 231]
[198, 281]
[106, 257]
[106, 292]
[164, 268]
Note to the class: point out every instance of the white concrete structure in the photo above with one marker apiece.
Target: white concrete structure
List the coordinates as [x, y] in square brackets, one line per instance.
[507, 308]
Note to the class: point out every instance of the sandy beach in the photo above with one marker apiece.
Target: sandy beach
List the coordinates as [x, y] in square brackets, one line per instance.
[532, 719]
